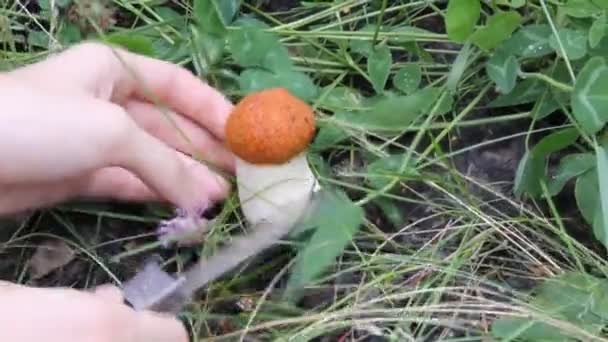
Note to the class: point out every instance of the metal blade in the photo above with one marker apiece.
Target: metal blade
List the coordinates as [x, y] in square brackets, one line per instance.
[157, 290]
[154, 289]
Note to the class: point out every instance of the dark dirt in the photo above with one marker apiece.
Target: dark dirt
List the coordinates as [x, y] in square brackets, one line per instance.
[278, 6]
[82, 271]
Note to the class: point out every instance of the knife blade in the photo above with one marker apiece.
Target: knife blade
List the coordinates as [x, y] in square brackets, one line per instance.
[155, 289]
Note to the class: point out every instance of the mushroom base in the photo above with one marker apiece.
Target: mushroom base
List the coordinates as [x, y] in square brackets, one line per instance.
[275, 193]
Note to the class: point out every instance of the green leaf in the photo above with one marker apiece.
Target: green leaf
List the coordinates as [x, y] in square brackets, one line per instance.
[322, 168]
[601, 49]
[331, 132]
[132, 42]
[531, 169]
[545, 105]
[44, 5]
[415, 49]
[391, 210]
[210, 48]
[458, 67]
[598, 226]
[555, 141]
[328, 136]
[395, 113]
[341, 98]
[577, 298]
[526, 91]
[69, 34]
[63, 3]
[361, 45]
[502, 69]
[597, 30]
[171, 17]
[590, 96]
[298, 83]
[226, 10]
[528, 174]
[445, 104]
[511, 3]
[38, 39]
[213, 16]
[407, 32]
[586, 194]
[461, 17]
[530, 41]
[408, 78]
[602, 171]
[383, 171]
[337, 220]
[571, 166]
[498, 28]
[579, 8]
[172, 52]
[508, 329]
[379, 66]
[207, 17]
[252, 46]
[573, 41]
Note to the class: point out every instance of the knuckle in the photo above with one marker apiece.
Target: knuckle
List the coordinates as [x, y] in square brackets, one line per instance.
[103, 54]
[115, 325]
[92, 48]
[121, 125]
[119, 130]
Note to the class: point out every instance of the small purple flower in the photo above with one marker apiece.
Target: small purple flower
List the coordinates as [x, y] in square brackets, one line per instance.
[186, 228]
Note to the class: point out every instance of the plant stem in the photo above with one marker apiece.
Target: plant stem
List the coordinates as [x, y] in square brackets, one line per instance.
[553, 82]
[559, 41]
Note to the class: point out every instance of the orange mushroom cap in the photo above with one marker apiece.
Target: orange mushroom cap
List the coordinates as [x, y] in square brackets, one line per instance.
[270, 127]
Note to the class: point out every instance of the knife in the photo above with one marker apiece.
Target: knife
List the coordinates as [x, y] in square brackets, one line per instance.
[154, 289]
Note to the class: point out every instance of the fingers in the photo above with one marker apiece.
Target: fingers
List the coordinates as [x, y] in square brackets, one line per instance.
[65, 314]
[178, 178]
[111, 73]
[148, 326]
[197, 142]
[18, 198]
[73, 137]
[86, 134]
[108, 183]
[154, 327]
[109, 292]
[155, 80]
[118, 184]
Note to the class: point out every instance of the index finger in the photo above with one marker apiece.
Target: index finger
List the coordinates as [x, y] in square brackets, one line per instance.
[173, 86]
[112, 73]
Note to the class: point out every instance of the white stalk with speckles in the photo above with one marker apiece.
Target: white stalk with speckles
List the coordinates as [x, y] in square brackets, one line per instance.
[277, 192]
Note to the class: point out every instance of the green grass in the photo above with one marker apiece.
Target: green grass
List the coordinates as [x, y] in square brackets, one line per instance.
[441, 252]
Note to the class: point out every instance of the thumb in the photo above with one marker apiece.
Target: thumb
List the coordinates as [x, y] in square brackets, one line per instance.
[109, 292]
[155, 327]
[149, 326]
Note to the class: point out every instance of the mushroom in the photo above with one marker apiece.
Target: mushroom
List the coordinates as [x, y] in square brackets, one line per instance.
[268, 132]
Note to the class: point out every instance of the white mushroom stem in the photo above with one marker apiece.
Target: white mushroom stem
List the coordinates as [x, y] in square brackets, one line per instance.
[277, 192]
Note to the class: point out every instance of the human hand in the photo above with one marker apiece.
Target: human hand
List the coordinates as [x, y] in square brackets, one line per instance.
[64, 314]
[79, 124]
